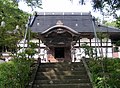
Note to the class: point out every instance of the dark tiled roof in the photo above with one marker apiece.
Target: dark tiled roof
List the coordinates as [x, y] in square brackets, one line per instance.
[103, 28]
[80, 22]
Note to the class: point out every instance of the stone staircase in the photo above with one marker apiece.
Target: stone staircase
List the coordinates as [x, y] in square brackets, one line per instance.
[62, 75]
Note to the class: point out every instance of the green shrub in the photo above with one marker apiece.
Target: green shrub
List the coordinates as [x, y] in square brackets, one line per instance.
[15, 74]
[105, 73]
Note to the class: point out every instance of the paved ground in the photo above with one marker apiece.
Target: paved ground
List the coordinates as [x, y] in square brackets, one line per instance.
[2, 61]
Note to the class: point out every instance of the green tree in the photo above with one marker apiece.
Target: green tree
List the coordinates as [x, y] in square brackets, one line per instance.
[118, 22]
[32, 3]
[112, 24]
[15, 21]
[114, 5]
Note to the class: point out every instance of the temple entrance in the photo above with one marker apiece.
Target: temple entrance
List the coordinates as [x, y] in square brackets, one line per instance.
[59, 52]
[62, 53]
[59, 39]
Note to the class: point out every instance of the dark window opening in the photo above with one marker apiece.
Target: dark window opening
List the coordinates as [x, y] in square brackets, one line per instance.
[59, 52]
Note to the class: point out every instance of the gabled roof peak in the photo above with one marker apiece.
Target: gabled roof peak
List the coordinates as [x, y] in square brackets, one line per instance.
[59, 22]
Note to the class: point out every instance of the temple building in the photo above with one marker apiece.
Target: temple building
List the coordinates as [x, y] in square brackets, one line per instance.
[68, 36]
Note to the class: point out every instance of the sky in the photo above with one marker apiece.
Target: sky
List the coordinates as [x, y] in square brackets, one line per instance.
[62, 6]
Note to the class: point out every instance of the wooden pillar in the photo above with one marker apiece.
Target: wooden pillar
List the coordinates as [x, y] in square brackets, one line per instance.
[39, 46]
[79, 43]
[90, 41]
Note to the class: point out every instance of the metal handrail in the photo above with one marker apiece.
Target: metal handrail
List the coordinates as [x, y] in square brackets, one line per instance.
[88, 71]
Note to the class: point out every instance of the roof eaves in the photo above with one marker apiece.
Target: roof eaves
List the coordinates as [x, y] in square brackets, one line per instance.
[109, 27]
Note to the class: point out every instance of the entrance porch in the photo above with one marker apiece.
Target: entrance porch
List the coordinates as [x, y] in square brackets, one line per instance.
[59, 41]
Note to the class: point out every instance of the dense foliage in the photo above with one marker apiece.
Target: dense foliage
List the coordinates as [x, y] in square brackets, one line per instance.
[105, 73]
[100, 4]
[14, 24]
[32, 3]
[15, 74]
[112, 24]
[113, 4]
[118, 22]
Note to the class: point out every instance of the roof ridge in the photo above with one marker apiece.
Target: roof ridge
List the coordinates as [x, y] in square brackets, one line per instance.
[63, 13]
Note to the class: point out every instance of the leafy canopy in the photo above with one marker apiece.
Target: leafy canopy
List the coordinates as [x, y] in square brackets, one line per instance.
[12, 16]
[32, 3]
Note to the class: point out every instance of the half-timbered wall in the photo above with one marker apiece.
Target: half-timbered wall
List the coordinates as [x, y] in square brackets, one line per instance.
[76, 52]
[105, 47]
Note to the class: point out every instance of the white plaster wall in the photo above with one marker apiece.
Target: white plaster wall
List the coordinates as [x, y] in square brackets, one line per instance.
[119, 52]
[98, 43]
[109, 52]
[84, 40]
[95, 42]
[94, 39]
[80, 52]
[106, 44]
[34, 40]
[42, 45]
[21, 43]
[42, 54]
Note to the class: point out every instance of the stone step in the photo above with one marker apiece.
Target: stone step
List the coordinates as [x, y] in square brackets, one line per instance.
[81, 85]
[76, 77]
[61, 69]
[60, 64]
[67, 66]
[67, 81]
[62, 73]
[73, 63]
[61, 77]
